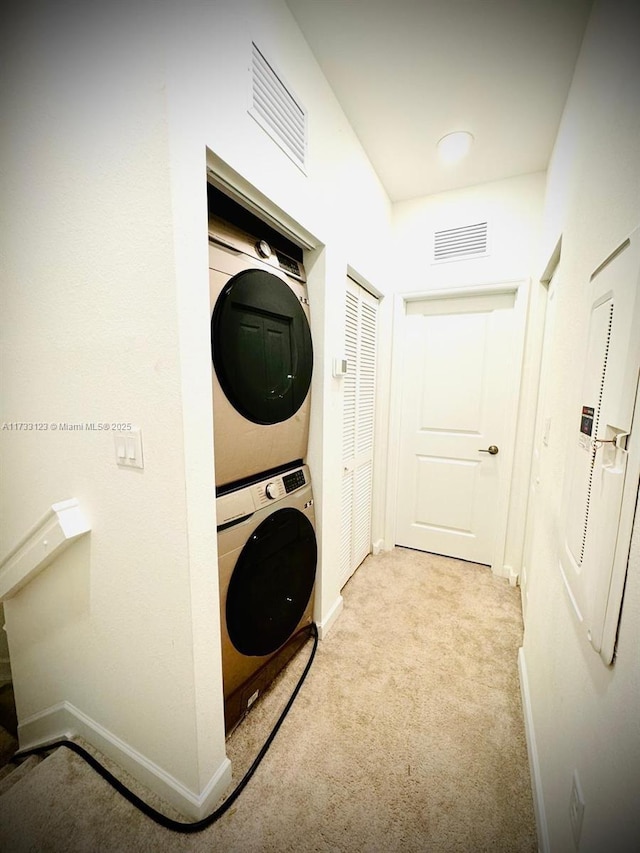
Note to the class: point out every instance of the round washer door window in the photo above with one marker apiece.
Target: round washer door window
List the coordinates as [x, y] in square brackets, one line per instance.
[261, 347]
[272, 583]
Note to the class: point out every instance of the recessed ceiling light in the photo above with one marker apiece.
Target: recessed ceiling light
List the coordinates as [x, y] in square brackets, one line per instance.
[455, 146]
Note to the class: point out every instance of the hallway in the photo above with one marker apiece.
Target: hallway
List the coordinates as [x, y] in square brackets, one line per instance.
[407, 735]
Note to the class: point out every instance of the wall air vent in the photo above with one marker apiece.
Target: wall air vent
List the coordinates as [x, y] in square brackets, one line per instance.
[457, 244]
[277, 110]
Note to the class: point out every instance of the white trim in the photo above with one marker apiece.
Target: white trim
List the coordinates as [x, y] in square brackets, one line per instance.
[481, 288]
[327, 623]
[532, 751]
[364, 283]
[552, 263]
[66, 721]
[512, 574]
[230, 182]
[46, 540]
[521, 289]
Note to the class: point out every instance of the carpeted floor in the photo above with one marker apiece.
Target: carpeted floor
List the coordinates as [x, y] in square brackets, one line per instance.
[407, 736]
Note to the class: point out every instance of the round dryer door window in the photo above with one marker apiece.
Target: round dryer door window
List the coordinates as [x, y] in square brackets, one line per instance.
[272, 583]
[261, 347]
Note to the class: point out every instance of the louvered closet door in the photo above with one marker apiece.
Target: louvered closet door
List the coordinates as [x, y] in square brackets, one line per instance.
[357, 427]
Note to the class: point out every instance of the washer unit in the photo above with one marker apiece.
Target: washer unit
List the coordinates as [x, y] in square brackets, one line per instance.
[267, 556]
[262, 354]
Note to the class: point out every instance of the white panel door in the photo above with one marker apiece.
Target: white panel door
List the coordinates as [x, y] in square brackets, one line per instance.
[357, 427]
[457, 384]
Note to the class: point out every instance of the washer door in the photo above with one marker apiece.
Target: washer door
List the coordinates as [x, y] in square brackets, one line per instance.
[272, 583]
[261, 347]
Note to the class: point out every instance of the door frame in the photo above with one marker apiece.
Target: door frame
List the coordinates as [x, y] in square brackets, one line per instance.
[543, 294]
[520, 288]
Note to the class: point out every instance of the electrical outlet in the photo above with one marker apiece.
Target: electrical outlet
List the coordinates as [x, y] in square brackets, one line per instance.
[576, 808]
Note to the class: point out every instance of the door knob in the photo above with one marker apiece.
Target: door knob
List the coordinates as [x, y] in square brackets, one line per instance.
[492, 449]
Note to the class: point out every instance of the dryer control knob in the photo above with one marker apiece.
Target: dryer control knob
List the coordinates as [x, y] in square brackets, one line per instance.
[263, 249]
[271, 491]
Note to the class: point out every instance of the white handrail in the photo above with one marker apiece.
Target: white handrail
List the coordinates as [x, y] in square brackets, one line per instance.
[46, 540]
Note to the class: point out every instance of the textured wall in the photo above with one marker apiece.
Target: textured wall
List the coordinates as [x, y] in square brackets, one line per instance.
[90, 335]
[109, 113]
[586, 715]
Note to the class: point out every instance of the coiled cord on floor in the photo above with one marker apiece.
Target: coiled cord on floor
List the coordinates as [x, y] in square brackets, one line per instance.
[158, 817]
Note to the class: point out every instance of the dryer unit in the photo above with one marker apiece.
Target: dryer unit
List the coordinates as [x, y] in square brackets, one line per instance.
[267, 555]
[262, 354]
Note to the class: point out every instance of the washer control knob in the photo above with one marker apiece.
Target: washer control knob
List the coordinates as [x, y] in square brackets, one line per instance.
[271, 491]
[263, 249]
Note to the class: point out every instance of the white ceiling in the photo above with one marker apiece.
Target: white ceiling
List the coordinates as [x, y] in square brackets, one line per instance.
[406, 72]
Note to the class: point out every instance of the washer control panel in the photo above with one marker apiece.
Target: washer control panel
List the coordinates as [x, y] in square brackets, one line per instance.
[293, 481]
[278, 487]
[242, 503]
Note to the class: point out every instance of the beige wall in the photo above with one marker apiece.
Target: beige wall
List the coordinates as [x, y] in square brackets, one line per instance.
[106, 317]
[585, 715]
[90, 334]
[111, 113]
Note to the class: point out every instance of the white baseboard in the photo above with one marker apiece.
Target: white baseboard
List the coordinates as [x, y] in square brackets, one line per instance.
[504, 570]
[532, 750]
[327, 623]
[66, 721]
[512, 574]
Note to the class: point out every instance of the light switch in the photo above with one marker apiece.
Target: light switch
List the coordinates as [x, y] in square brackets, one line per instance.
[128, 446]
[340, 367]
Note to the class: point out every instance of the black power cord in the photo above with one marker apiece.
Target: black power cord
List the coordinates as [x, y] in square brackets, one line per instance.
[158, 817]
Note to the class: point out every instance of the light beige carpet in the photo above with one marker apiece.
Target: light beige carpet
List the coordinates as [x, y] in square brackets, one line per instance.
[407, 736]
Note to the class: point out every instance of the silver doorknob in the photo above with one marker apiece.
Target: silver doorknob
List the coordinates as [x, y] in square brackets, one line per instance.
[492, 449]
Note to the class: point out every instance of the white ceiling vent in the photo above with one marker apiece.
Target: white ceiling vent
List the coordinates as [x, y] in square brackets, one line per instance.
[277, 110]
[457, 244]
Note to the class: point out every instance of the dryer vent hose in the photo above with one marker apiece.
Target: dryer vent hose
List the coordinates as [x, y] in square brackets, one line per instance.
[158, 817]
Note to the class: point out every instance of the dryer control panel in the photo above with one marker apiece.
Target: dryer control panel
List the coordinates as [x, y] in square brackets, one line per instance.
[235, 506]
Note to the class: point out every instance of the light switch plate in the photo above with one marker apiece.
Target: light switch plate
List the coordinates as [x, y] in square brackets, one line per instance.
[128, 445]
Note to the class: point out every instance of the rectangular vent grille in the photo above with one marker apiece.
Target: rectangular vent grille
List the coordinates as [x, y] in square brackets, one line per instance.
[456, 244]
[276, 110]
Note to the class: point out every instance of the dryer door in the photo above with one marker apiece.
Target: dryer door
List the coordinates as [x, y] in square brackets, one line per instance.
[272, 583]
[261, 347]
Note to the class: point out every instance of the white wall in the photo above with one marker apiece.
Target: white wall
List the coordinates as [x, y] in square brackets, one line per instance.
[90, 334]
[110, 113]
[340, 203]
[513, 210]
[586, 716]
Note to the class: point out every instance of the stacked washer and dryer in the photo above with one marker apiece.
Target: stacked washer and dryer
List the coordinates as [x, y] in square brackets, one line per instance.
[262, 363]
